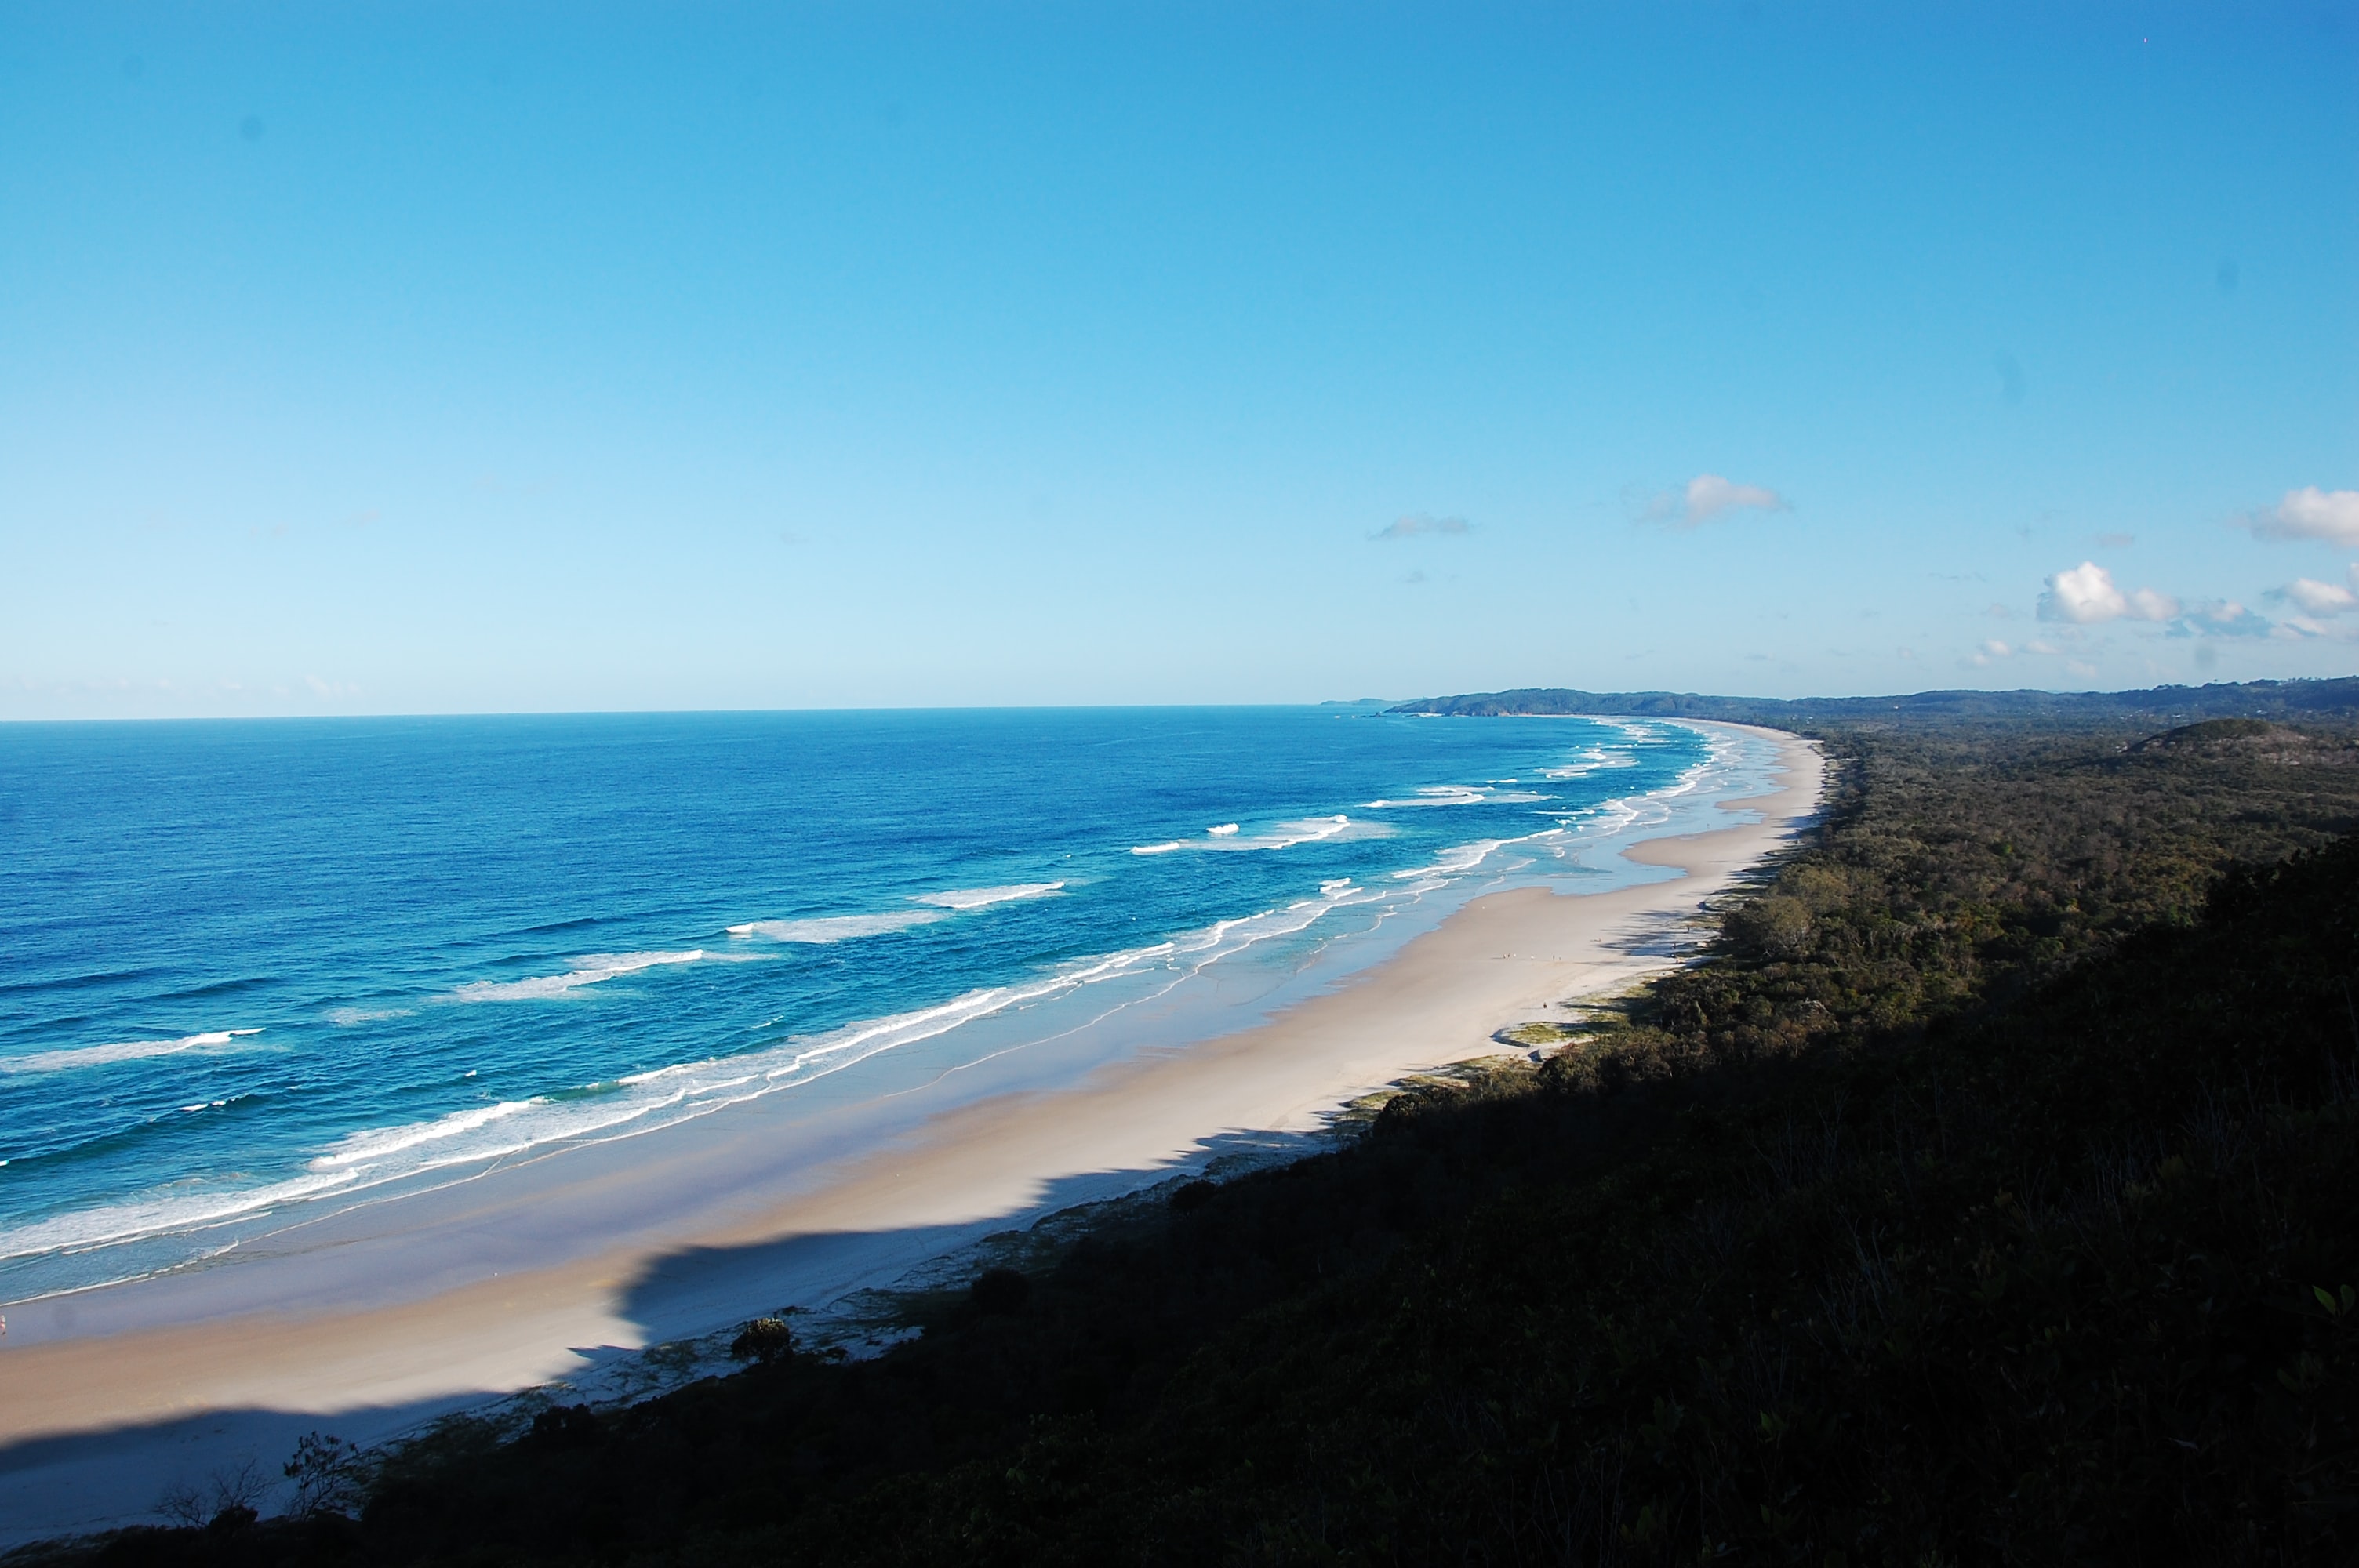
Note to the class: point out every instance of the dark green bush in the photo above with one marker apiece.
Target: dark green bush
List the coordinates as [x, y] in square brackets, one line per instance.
[1000, 1290]
[765, 1339]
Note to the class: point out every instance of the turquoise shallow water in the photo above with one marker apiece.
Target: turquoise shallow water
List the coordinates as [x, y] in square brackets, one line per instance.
[250, 968]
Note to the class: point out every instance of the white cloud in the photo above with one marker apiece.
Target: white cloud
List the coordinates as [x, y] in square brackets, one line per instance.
[2084, 595]
[1410, 526]
[2320, 598]
[2310, 512]
[1708, 495]
[2087, 595]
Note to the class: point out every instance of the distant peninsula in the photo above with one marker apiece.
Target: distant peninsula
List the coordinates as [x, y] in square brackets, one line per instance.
[2324, 700]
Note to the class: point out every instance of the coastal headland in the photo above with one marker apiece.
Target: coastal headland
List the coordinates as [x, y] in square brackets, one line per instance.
[375, 1319]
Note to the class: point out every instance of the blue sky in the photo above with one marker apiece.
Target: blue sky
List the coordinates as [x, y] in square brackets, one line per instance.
[366, 358]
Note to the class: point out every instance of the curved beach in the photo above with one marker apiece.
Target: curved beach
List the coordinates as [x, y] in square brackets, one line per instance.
[369, 1321]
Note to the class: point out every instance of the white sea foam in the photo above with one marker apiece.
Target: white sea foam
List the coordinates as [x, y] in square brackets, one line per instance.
[346, 1017]
[151, 1216]
[983, 898]
[1592, 759]
[1311, 830]
[1434, 795]
[588, 972]
[1452, 862]
[829, 928]
[1460, 795]
[1226, 838]
[211, 1043]
[364, 1149]
[1626, 813]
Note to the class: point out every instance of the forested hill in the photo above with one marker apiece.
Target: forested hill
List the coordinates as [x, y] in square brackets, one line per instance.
[2287, 701]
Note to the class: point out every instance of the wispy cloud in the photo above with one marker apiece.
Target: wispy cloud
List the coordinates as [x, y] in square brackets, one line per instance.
[2224, 618]
[2310, 512]
[1707, 496]
[2087, 595]
[2321, 599]
[1418, 522]
[1993, 650]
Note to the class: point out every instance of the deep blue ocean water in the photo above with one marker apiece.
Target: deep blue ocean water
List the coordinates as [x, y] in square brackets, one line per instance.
[250, 967]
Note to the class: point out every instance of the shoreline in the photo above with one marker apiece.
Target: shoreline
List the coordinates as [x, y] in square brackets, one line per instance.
[96, 1423]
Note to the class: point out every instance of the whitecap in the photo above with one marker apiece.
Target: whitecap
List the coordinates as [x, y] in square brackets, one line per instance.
[589, 971]
[346, 1017]
[1312, 830]
[1453, 862]
[366, 1148]
[1280, 835]
[983, 898]
[829, 928]
[1223, 831]
[1434, 795]
[1460, 794]
[215, 1042]
[1591, 759]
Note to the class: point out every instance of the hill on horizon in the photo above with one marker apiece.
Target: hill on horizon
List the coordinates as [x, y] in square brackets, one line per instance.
[2336, 700]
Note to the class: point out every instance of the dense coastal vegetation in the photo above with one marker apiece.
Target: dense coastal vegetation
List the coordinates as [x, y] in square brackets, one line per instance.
[1986, 1196]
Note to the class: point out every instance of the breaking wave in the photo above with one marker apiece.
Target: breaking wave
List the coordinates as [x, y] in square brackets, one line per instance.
[829, 928]
[983, 898]
[592, 970]
[211, 1043]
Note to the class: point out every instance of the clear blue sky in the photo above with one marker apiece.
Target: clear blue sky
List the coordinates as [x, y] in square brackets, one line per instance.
[362, 358]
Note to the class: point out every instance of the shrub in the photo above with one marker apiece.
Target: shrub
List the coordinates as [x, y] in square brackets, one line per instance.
[1777, 925]
[1000, 1290]
[765, 1339]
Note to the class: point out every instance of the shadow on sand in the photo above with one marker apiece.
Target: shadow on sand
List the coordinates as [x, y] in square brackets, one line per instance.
[685, 1303]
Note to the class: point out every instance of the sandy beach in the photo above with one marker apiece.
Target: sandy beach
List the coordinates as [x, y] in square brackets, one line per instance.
[369, 1321]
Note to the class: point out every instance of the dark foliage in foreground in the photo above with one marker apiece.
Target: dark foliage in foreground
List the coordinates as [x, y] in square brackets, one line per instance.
[1989, 1198]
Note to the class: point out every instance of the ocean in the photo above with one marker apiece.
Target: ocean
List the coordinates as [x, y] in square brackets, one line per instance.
[252, 970]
